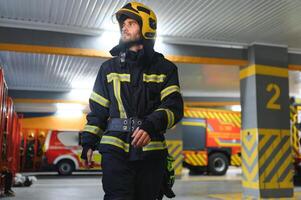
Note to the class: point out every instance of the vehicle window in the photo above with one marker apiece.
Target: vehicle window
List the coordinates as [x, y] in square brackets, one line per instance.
[68, 138]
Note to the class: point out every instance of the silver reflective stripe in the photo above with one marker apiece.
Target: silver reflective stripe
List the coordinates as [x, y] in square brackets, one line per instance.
[157, 78]
[93, 129]
[152, 146]
[115, 142]
[170, 116]
[168, 90]
[116, 79]
[99, 99]
[120, 77]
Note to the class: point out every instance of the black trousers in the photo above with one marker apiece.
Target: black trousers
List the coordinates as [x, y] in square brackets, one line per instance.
[131, 180]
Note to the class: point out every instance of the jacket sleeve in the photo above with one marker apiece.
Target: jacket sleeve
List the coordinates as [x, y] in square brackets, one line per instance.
[97, 117]
[170, 111]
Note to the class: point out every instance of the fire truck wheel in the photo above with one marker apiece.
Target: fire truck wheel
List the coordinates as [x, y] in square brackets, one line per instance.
[218, 164]
[65, 167]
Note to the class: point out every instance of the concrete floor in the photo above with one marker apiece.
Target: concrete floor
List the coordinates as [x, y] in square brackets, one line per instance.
[88, 187]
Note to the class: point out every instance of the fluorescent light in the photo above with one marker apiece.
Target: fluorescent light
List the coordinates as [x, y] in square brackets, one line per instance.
[69, 109]
[82, 84]
[69, 106]
[236, 108]
[80, 94]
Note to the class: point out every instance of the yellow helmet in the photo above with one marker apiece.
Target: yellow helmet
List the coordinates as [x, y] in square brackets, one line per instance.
[141, 13]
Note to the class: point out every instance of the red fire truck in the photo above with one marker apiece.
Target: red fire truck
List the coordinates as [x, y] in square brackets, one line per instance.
[62, 151]
[211, 143]
[211, 140]
[295, 119]
[13, 128]
[3, 134]
[10, 133]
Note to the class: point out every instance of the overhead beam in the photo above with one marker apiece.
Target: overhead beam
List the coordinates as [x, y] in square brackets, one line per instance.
[54, 50]
[46, 42]
[294, 60]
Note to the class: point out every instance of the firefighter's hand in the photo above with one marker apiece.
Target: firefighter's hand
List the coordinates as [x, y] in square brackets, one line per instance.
[88, 163]
[140, 138]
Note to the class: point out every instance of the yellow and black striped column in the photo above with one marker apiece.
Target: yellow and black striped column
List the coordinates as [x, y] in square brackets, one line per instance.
[175, 149]
[266, 147]
[294, 130]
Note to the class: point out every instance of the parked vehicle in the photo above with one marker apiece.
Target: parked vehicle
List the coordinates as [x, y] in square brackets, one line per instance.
[62, 151]
[211, 140]
[10, 135]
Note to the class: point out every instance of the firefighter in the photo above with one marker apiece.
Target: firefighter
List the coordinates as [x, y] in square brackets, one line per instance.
[136, 97]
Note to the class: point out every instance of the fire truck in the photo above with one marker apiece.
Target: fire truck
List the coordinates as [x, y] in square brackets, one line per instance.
[10, 134]
[62, 151]
[211, 143]
[211, 140]
[295, 119]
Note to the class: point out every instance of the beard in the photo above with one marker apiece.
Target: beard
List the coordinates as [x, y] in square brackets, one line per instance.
[126, 37]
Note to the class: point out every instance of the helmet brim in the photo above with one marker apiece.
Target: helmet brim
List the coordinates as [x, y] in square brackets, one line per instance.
[123, 14]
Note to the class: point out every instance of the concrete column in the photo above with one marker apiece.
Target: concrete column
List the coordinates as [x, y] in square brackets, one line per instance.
[267, 163]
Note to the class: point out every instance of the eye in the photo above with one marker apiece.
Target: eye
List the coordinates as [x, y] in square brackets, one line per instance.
[133, 23]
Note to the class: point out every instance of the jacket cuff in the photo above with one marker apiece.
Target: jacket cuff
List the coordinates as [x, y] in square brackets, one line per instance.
[89, 139]
[148, 127]
[85, 150]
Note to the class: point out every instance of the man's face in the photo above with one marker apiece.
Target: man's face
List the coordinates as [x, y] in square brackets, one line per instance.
[130, 30]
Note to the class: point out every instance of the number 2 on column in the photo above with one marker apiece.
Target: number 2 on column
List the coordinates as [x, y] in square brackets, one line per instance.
[272, 87]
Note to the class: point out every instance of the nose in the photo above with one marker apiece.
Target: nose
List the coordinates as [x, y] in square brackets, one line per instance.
[124, 29]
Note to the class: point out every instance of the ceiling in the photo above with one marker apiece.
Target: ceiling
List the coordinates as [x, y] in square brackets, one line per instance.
[44, 72]
[196, 22]
[186, 21]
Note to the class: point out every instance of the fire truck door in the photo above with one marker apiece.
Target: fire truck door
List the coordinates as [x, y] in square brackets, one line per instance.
[194, 134]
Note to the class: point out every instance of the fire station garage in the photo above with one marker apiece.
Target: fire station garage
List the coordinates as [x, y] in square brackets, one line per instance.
[238, 73]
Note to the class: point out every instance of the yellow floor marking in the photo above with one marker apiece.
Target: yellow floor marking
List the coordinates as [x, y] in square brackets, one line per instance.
[238, 196]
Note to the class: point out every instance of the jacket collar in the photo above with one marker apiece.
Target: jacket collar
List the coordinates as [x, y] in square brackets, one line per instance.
[143, 56]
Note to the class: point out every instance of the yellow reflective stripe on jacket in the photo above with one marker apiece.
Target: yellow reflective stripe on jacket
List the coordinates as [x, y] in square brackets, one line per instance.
[154, 78]
[120, 77]
[93, 129]
[170, 89]
[152, 146]
[99, 99]
[117, 78]
[170, 116]
[116, 86]
[115, 142]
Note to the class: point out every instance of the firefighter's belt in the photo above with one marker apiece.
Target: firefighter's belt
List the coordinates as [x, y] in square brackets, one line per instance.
[123, 125]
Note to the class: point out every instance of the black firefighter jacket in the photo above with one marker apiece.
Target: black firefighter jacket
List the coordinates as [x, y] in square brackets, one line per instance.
[134, 85]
